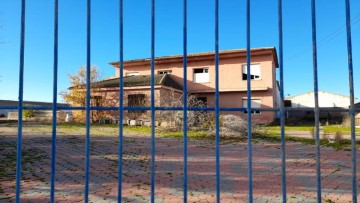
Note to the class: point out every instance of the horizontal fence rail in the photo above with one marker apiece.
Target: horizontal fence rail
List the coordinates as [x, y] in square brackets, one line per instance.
[282, 110]
[159, 108]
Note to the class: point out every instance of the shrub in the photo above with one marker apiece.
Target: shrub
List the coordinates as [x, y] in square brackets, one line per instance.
[325, 136]
[338, 137]
[346, 121]
[209, 123]
[28, 113]
[312, 133]
[195, 119]
[233, 126]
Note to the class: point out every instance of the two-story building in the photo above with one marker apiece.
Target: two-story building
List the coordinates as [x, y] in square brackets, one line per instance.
[201, 80]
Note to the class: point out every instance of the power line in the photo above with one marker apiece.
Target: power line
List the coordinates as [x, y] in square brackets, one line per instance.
[325, 40]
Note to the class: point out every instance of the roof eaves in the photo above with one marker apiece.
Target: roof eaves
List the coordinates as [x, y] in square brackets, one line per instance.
[312, 91]
[203, 54]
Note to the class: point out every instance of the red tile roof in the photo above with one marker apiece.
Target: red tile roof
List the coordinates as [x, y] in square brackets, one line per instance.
[254, 51]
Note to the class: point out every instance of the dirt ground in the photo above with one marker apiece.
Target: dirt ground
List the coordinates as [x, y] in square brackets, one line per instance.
[70, 162]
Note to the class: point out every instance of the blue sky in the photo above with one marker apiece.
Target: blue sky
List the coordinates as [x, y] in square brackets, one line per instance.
[331, 35]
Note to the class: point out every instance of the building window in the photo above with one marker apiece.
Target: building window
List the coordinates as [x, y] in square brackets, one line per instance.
[255, 72]
[201, 75]
[136, 100]
[255, 103]
[132, 73]
[162, 72]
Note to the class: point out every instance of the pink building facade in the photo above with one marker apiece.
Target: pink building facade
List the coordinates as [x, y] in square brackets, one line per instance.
[201, 79]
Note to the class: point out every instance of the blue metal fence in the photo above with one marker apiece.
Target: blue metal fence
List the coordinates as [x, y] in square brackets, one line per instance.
[121, 98]
[121, 108]
[282, 110]
[185, 100]
[54, 107]
[316, 97]
[248, 82]
[352, 101]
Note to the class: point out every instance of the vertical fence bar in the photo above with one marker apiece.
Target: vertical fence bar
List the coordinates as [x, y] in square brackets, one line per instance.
[185, 98]
[352, 107]
[248, 69]
[54, 105]
[88, 75]
[217, 111]
[282, 110]
[20, 104]
[152, 101]
[121, 98]
[316, 110]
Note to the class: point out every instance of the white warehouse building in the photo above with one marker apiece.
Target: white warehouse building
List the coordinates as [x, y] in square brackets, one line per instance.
[326, 99]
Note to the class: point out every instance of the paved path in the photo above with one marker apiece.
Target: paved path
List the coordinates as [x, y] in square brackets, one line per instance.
[301, 176]
[305, 134]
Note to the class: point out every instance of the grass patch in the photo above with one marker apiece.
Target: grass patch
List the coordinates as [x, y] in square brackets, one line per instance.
[338, 128]
[275, 137]
[267, 133]
[327, 129]
[69, 128]
[294, 128]
[193, 135]
[197, 135]
[137, 129]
